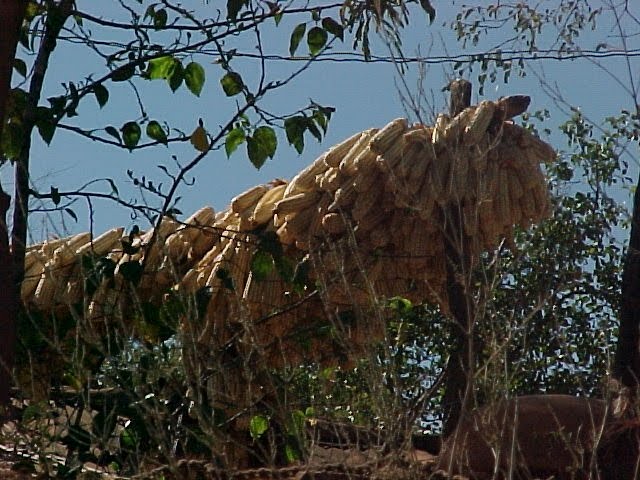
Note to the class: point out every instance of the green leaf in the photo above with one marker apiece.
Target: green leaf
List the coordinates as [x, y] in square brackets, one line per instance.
[72, 214]
[234, 139]
[261, 265]
[296, 37]
[161, 67]
[111, 130]
[20, 67]
[12, 136]
[194, 78]
[160, 18]
[316, 40]
[234, 7]
[291, 453]
[123, 73]
[131, 133]
[156, 132]
[333, 27]
[258, 425]
[176, 78]
[232, 84]
[294, 128]
[101, 93]
[266, 136]
[46, 129]
[261, 146]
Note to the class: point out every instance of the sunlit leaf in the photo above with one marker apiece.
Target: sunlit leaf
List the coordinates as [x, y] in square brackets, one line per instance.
[316, 40]
[258, 425]
[194, 78]
[261, 265]
[294, 128]
[234, 139]
[131, 133]
[161, 67]
[296, 37]
[156, 132]
[232, 84]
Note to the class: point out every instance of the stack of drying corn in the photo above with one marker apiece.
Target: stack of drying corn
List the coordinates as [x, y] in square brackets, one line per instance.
[368, 216]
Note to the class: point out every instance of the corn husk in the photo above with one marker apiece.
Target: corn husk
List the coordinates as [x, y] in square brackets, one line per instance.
[247, 199]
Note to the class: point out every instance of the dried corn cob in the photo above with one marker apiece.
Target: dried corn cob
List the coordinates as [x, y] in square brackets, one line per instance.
[437, 136]
[306, 179]
[246, 199]
[388, 135]
[364, 203]
[330, 180]
[263, 211]
[296, 203]
[347, 165]
[366, 180]
[298, 223]
[344, 198]
[336, 153]
[333, 223]
[102, 244]
[366, 160]
[478, 123]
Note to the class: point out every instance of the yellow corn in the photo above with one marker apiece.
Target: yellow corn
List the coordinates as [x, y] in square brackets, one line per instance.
[263, 211]
[333, 223]
[296, 202]
[102, 244]
[479, 122]
[246, 199]
[347, 165]
[388, 135]
[306, 179]
[336, 153]
[330, 180]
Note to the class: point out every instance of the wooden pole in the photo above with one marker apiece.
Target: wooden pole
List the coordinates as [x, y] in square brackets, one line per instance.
[459, 381]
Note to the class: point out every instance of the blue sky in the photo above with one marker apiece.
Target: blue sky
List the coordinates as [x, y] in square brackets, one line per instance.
[364, 95]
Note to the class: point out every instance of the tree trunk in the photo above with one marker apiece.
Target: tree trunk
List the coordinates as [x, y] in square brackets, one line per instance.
[12, 15]
[627, 360]
[459, 382]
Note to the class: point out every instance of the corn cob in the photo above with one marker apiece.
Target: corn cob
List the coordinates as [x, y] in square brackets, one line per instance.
[478, 123]
[459, 176]
[347, 165]
[502, 201]
[296, 203]
[30, 284]
[426, 201]
[246, 199]
[379, 237]
[102, 244]
[437, 136]
[306, 179]
[50, 246]
[388, 135]
[45, 293]
[344, 198]
[65, 253]
[335, 154]
[366, 180]
[333, 223]
[263, 211]
[365, 202]
[422, 161]
[366, 160]
[330, 180]
[298, 223]
[285, 235]
[315, 228]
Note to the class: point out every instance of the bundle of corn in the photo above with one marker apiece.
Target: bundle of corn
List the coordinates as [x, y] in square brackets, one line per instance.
[367, 216]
